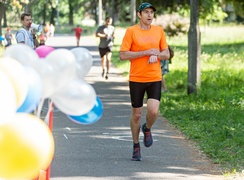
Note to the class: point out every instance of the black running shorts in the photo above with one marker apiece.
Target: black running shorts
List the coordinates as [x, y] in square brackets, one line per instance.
[104, 51]
[138, 89]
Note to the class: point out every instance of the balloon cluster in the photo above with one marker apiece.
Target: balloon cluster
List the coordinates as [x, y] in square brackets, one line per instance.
[28, 77]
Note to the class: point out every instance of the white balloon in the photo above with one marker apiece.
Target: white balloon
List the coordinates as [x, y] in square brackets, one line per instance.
[8, 103]
[22, 53]
[48, 77]
[64, 64]
[84, 61]
[18, 76]
[76, 98]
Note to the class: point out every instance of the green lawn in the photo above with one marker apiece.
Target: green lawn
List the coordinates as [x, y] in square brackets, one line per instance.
[214, 118]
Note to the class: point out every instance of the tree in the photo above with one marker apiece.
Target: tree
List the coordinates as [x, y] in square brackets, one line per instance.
[194, 49]
[2, 10]
[133, 11]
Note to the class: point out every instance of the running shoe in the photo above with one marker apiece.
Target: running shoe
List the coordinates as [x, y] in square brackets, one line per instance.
[147, 141]
[106, 77]
[103, 73]
[136, 156]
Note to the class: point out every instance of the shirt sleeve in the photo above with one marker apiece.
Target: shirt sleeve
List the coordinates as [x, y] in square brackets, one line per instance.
[127, 41]
[20, 37]
[99, 29]
[163, 42]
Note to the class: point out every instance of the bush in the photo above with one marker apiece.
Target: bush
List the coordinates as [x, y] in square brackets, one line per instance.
[173, 24]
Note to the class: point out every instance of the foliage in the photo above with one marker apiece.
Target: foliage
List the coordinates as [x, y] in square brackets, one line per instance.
[73, 11]
[214, 117]
[218, 14]
[173, 24]
[238, 6]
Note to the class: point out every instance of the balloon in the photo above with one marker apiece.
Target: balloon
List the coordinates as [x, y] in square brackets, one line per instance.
[92, 116]
[64, 64]
[83, 61]
[48, 77]
[22, 53]
[1, 38]
[26, 146]
[43, 50]
[18, 76]
[8, 103]
[76, 98]
[34, 91]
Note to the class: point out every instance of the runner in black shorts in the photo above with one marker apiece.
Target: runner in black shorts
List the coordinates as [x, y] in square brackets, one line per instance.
[106, 35]
[144, 44]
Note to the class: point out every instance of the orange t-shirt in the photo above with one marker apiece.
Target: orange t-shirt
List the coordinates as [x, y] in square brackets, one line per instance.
[137, 39]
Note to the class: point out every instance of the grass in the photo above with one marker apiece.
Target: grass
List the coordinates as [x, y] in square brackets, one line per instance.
[214, 117]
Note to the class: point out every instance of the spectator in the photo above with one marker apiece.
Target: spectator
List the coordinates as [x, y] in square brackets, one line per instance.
[52, 30]
[8, 37]
[78, 31]
[42, 38]
[24, 35]
[165, 68]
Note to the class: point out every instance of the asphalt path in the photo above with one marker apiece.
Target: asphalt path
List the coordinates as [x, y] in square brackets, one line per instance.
[102, 151]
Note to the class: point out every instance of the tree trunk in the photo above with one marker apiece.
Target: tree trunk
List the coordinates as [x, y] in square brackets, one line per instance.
[113, 7]
[5, 23]
[53, 15]
[2, 7]
[100, 12]
[194, 49]
[44, 16]
[133, 12]
[58, 14]
[71, 12]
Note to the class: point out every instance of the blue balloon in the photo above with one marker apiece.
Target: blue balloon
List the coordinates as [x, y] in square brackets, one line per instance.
[34, 91]
[1, 38]
[92, 116]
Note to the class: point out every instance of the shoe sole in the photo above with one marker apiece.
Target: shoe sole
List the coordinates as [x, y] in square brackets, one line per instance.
[134, 159]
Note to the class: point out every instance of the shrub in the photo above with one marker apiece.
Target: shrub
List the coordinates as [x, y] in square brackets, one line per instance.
[173, 24]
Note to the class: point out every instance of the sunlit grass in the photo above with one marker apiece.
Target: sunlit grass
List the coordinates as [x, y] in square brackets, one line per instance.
[214, 117]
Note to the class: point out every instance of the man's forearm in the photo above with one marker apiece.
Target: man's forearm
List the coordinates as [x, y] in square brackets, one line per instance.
[127, 55]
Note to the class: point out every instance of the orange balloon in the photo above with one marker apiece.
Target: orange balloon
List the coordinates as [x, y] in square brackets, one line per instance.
[26, 147]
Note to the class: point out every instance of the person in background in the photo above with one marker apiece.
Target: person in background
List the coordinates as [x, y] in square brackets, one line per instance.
[47, 30]
[144, 45]
[42, 38]
[78, 31]
[9, 37]
[165, 68]
[24, 35]
[106, 35]
[52, 30]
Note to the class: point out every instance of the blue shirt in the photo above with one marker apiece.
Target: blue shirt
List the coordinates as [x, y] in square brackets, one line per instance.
[25, 36]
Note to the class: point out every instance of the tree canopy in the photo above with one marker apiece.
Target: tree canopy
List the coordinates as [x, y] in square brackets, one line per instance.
[71, 11]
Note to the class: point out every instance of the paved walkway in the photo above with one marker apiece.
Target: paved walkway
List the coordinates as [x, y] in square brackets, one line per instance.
[102, 151]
